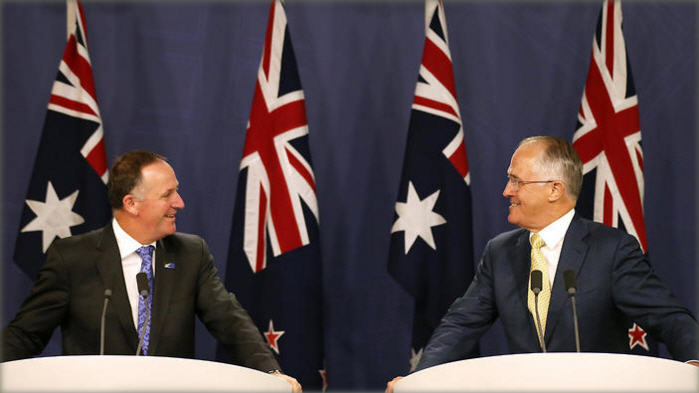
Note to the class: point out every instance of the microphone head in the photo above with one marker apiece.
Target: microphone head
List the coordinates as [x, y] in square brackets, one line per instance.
[537, 279]
[142, 282]
[107, 293]
[570, 281]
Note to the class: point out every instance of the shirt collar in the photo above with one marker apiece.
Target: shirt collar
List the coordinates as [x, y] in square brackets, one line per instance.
[125, 242]
[554, 233]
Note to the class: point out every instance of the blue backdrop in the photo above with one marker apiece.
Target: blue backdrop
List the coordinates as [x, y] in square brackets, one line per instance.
[178, 78]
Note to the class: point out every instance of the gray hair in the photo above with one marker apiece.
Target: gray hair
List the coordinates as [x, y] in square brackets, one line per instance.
[560, 160]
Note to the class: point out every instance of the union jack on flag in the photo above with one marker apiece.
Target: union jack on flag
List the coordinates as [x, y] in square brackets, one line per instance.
[276, 156]
[608, 136]
[274, 262]
[435, 92]
[431, 251]
[608, 141]
[67, 193]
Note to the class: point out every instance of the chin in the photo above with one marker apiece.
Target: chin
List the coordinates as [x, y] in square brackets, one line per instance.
[512, 220]
[169, 231]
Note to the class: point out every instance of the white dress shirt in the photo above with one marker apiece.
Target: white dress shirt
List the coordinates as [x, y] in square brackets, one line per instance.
[130, 265]
[553, 236]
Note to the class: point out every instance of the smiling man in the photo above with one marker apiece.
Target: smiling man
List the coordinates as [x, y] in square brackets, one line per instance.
[142, 238]
[615, 280]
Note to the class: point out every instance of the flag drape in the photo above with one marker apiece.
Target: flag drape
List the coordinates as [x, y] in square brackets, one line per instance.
[274, 252]
[431, 249]
[608, 141]
[67, 192]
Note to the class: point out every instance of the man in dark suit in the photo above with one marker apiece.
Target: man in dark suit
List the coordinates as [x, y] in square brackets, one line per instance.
[615, 280]
[143, 193]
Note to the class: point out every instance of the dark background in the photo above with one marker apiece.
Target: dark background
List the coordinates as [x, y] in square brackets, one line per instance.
[178, 78]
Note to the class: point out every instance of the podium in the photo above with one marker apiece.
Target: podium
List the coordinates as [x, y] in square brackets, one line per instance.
[132, 373]
[559, 372]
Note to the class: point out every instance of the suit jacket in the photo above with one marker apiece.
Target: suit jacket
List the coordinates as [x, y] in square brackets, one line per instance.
[70, 290]
[615, 282]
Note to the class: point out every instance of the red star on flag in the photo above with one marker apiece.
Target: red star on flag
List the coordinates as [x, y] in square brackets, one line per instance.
[637, 336]
[324, 376]
[273, 336]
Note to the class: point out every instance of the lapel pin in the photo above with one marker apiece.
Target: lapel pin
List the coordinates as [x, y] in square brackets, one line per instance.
[170, 265]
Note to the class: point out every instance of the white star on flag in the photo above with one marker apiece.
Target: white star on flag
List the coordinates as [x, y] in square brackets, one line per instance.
[415, 358]
[54, 217]
[416, 218]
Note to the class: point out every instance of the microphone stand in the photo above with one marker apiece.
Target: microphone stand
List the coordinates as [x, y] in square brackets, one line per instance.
[143, 328]
[575, 324]
[571, 287]
[107, 295]
[538, 320]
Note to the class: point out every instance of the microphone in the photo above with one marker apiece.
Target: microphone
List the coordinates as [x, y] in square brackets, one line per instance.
[143, 290]
[571, 286]
[536, 285]
[107, 296]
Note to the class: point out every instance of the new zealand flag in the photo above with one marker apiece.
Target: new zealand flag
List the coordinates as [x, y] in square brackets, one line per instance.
[274, 256]
[608, 141]
[67, 193]
[431, 252]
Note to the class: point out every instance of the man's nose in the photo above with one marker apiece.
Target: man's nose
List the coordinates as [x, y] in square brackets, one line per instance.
[509, 190]
[179, 202]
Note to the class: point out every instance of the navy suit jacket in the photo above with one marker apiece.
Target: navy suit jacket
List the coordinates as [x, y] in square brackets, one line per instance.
[615, 282]
[69, 293]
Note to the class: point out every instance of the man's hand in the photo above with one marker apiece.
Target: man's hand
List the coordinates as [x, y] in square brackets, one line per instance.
[389, 386]
[295, 385]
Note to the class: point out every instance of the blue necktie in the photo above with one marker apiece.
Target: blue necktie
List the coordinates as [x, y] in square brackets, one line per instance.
[146, 253]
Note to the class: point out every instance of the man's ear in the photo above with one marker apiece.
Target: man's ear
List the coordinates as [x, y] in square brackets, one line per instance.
[129, 204]
[558, 190]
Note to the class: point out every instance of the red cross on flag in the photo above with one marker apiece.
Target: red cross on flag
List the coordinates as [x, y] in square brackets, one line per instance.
[608, 137]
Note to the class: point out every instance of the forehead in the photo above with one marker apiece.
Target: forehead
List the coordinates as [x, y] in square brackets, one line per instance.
[158, 175]
[524, 160]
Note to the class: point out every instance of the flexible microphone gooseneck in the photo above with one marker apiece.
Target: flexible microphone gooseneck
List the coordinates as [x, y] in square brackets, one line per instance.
[571, 287]
[143, 290]
[536, 285]
[107, 296]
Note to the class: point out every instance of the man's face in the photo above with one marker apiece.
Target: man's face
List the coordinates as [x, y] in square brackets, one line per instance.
[158, 200]
[528, 202]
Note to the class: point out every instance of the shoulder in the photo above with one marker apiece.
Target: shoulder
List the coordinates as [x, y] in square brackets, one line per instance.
[596, 231]
[93, 237]
[184, 238]
[505, 239]
[180, 241]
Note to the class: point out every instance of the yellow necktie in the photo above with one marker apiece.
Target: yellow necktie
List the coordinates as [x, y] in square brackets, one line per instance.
[539, 263]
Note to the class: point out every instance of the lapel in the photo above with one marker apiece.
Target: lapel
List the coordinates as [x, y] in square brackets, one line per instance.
[572, 257]
[520, 268]
[110, 270]
[164, 283]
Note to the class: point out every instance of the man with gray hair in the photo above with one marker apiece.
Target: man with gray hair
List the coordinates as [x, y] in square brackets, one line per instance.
[615, 279]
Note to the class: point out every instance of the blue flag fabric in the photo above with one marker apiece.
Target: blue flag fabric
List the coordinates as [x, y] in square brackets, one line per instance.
[431, 250]
[274, 265]
[67, 193]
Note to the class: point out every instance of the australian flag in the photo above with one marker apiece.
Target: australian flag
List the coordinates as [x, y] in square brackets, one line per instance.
[431, 252]
[67, 192]
[274, 256]
[608, 141]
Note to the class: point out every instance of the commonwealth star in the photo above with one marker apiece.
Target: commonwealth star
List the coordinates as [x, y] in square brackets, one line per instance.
[54, 217]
